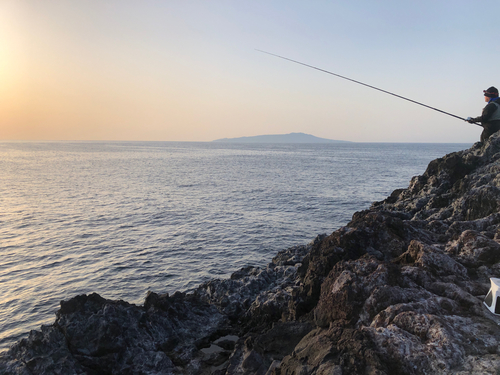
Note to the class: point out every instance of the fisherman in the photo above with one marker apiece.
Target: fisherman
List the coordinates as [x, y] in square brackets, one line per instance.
[490, 118]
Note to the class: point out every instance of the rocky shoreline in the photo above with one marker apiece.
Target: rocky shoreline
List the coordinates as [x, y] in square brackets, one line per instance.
[398, 290]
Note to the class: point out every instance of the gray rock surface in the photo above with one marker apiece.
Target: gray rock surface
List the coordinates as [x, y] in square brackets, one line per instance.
[398, 290]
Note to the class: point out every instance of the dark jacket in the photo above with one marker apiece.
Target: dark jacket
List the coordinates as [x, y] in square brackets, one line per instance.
[489, 119]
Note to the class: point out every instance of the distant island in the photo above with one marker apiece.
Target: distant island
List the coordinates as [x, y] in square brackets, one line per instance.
[280, 138]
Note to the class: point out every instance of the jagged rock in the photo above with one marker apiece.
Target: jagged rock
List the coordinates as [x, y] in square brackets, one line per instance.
[475, 249]
[398, 290]
[168, 335]
[336, 350]
[254, 296]
[261, 353]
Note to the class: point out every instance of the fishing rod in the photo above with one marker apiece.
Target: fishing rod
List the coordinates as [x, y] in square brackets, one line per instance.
[364, 84]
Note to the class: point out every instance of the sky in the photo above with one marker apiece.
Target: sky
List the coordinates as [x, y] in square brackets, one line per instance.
[189, 70]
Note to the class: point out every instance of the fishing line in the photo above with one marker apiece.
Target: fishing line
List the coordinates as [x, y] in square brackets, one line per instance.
[364, 84]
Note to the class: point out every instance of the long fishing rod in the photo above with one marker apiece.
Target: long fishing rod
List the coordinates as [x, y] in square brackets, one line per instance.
[364, 84]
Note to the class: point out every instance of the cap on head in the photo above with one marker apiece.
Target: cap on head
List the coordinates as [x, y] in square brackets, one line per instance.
[492, 92]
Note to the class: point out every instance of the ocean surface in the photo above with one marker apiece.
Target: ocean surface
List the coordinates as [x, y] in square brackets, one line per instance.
[122, 218]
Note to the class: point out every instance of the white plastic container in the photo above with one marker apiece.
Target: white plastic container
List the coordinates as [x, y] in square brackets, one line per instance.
[492, 300]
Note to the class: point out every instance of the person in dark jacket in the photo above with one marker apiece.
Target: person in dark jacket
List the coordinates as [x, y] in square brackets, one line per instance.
[490, 118]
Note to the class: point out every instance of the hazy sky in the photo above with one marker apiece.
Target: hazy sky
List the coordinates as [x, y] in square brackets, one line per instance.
[189, 71]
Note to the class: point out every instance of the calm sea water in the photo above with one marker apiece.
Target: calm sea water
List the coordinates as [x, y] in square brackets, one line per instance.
[122, 218]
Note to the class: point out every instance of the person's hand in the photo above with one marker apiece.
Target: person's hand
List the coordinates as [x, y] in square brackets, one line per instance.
[470, 120]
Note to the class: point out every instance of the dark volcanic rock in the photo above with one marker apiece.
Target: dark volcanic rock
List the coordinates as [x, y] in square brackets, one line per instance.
[178, 334]
[398, 290]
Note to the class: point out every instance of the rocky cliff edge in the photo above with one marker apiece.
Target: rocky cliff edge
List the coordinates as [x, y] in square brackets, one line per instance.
[398, 290]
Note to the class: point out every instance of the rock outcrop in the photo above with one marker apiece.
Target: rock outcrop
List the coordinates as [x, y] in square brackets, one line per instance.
[398, 290]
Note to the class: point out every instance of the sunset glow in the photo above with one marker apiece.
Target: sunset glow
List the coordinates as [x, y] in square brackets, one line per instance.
[189, 71]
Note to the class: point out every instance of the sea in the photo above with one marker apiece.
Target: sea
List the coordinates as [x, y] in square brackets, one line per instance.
[124, 218]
